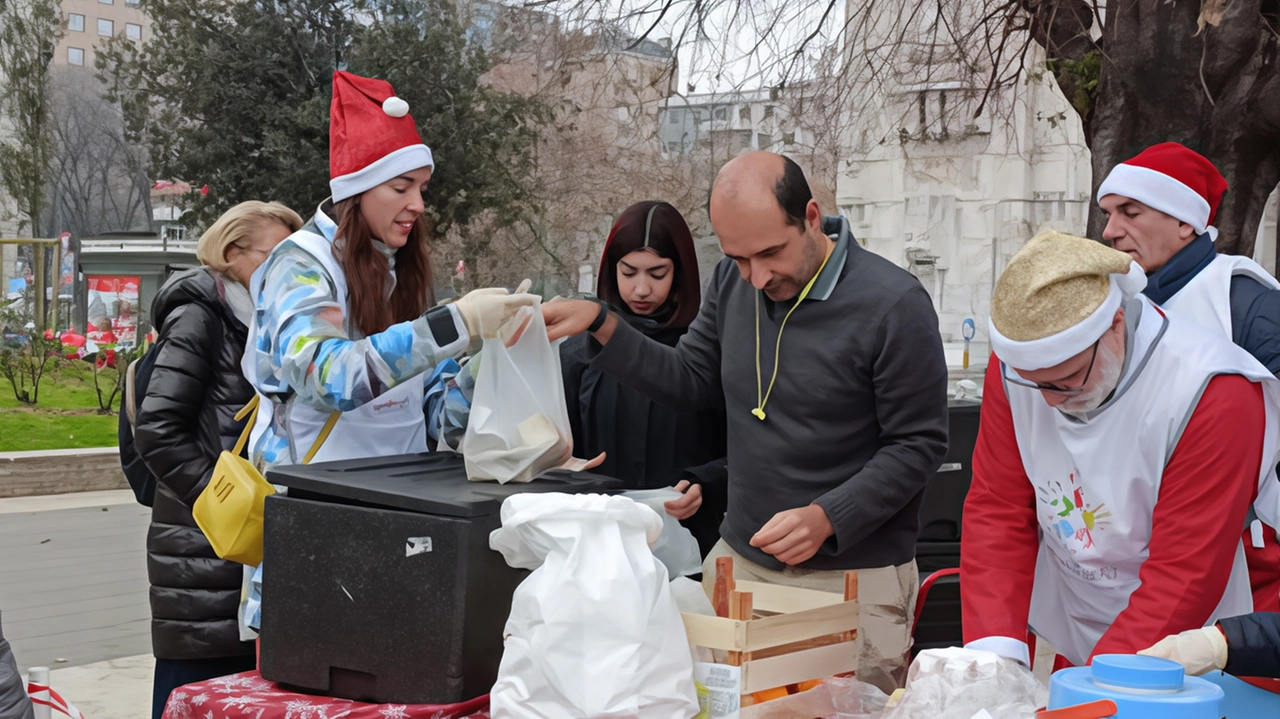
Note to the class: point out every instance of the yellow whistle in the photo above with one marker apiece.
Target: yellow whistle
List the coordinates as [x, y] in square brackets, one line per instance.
[759, 413]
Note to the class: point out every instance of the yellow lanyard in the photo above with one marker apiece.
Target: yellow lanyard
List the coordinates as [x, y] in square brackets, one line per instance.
[762, 396]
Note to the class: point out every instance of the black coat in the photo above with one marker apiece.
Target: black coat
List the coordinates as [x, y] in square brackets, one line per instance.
[649, 445]
[1253, 644]
[187, 418]
[14, 703]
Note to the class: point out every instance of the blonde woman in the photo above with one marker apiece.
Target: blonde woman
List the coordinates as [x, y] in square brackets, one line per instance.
[186, 419]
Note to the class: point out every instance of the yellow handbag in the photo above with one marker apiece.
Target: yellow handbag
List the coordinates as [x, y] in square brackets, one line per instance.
[229, 510]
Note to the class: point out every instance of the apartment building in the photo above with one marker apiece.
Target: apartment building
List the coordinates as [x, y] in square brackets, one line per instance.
[89, 22]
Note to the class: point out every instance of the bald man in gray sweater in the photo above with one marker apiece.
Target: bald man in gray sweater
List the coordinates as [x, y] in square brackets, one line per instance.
[831, 445]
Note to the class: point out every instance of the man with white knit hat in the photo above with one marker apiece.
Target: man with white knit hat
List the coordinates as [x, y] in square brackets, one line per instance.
[1160, 208]
[1119, 450]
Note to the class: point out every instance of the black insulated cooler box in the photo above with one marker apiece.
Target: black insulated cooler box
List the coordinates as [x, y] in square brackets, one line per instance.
[941, 514]
[378, 581]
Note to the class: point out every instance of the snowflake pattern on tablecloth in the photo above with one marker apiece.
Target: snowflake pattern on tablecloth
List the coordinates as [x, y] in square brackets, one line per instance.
[178, 708]
[232, 684]
[243, 701]
[306, 709]
[248, 696]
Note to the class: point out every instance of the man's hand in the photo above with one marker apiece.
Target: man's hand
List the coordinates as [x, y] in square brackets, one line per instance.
[795, 535]
[688, 504]
[565, 318]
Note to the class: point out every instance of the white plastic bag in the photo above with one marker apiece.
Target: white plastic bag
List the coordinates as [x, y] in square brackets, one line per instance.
[594, 630]
[690, 597]
[958, 683]
[676, 548]
[835, 698]
[519, 424]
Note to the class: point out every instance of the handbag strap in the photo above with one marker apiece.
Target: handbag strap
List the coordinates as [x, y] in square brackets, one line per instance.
[324, 434]
[251, 410]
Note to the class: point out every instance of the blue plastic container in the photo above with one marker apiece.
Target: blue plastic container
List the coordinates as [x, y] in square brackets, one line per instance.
[1244, 701]
[1141, 687]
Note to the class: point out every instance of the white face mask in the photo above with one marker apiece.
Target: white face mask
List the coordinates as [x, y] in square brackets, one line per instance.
[1107, 369]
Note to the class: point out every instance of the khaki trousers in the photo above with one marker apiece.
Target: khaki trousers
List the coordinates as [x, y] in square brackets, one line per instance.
[888, 602]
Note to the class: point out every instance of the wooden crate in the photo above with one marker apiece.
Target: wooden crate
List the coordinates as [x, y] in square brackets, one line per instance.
[778, 635]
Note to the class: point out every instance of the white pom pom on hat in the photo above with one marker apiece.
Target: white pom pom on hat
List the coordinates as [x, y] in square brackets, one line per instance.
[395, 107]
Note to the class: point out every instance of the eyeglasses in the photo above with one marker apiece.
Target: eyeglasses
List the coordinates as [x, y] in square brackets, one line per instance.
[1053, 388]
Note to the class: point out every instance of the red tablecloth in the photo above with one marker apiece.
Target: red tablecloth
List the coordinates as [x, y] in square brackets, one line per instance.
[249, 696]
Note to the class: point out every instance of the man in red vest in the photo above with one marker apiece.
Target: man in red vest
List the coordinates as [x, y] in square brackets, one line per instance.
[1119, 451]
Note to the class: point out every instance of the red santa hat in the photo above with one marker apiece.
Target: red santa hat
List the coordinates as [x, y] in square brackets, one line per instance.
[372, 138]
[1172, 179]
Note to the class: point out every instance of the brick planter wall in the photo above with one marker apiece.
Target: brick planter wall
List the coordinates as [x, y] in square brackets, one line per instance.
[60, 471]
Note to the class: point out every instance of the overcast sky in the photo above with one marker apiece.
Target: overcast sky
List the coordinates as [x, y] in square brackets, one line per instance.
[747, 44]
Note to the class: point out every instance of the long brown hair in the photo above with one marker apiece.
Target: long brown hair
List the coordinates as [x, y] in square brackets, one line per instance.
[669, 237]
[368, 272]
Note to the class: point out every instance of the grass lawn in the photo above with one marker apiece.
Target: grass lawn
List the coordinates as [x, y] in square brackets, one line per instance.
[65, 418]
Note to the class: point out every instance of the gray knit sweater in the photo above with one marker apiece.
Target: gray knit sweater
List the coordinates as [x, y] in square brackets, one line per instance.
[857, 422]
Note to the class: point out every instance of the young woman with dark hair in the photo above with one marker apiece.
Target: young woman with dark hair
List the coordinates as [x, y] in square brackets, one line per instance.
[344, 315]
[649, 276]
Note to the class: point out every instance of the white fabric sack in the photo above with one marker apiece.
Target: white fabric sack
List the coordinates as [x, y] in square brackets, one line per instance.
[594, 630]
[676, 548]
[519, 424]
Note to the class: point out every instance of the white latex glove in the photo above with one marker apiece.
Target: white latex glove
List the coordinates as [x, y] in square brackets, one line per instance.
[1200, 651]
[484, 311]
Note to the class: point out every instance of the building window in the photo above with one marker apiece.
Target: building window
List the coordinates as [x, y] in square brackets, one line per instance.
[768, 111]
[75, 56]
[673, 147]
[788, 138]
[745, 113]
[133, 32]
[722, 113]
[106, 28]
[75, 23]
[744, 139]
[763, 141]
[131, 3]
[674, 117]
[107, 2]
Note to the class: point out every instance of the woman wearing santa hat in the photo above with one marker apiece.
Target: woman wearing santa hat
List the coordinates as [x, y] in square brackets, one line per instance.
[345, 327]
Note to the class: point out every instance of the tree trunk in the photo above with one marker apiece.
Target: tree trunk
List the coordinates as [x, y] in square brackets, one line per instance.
[56, 320]
[1217, 91]
[39, 280]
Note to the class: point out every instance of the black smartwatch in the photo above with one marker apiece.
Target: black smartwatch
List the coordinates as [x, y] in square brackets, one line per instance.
[598, 322]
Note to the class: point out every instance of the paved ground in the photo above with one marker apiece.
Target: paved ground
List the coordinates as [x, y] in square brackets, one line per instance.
[115, 689]
[73, 581]
[73, 597]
